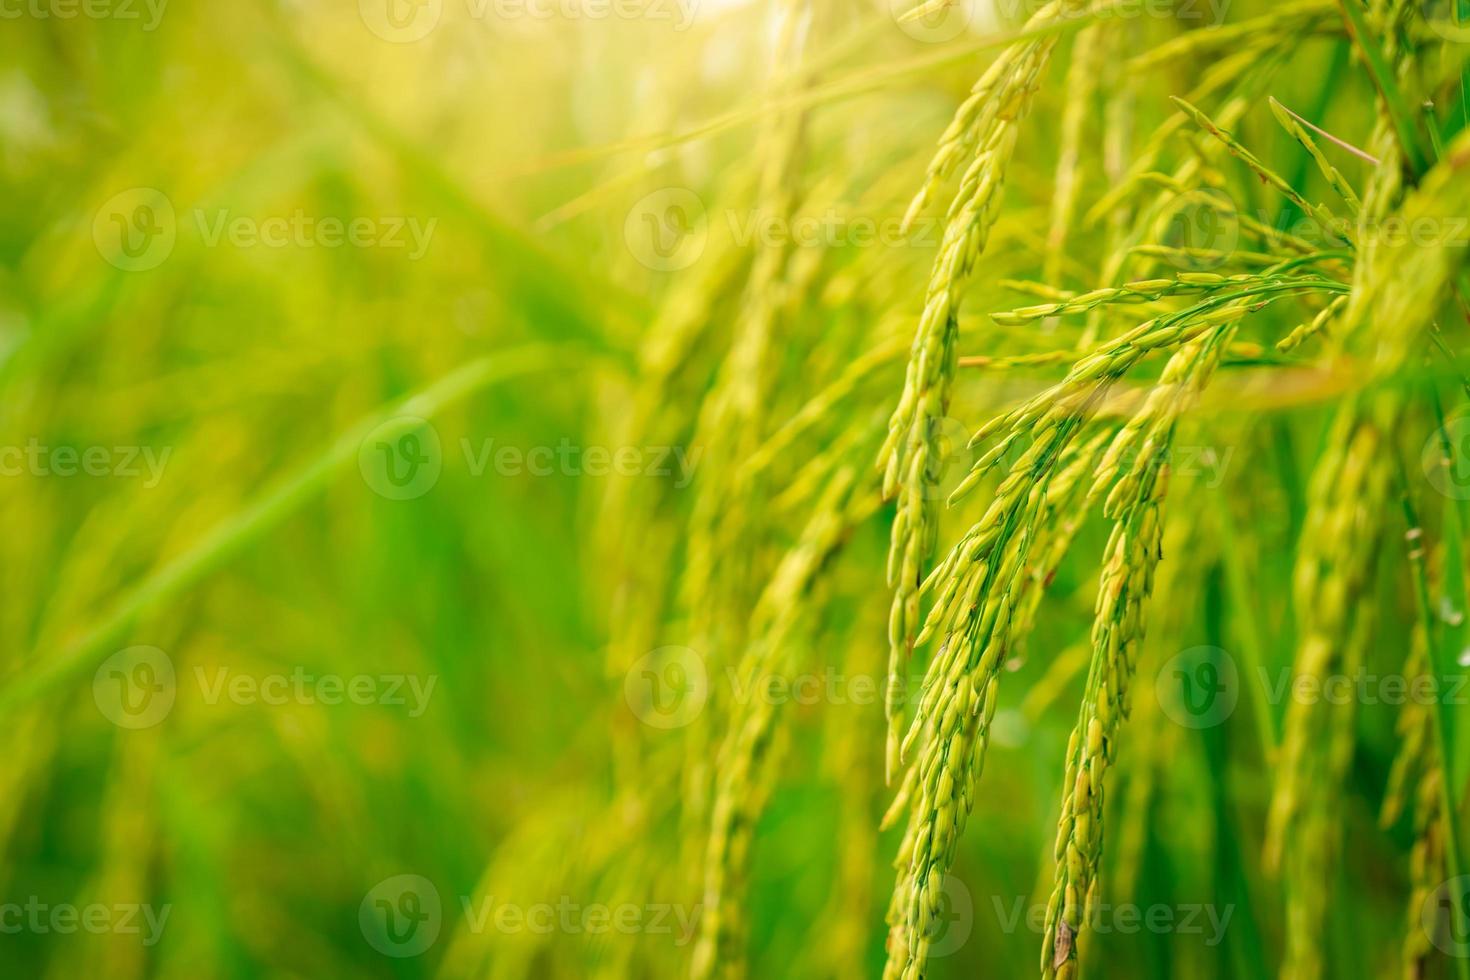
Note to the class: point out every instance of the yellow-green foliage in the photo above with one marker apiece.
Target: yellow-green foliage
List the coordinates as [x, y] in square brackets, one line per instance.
[756, 488]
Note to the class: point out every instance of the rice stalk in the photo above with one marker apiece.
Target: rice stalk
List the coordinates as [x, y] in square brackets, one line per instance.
[1318, 324]
[1083, 73]
[1132, 555]
[982, 137]
[1334, 177]
[1339, 546]
[739, 796]
[1414, 786]
[731, 422]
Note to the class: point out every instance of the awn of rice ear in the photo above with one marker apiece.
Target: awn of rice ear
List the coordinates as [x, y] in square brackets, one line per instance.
[980, 139]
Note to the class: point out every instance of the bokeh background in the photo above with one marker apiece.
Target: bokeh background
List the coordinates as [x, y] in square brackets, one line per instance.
[373, 395]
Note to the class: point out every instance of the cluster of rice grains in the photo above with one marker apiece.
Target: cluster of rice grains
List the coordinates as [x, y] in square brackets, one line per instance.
[779, 363]
[1063, 439]
[981, 139]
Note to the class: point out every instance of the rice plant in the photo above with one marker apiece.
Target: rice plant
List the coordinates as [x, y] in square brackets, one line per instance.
[567, 489]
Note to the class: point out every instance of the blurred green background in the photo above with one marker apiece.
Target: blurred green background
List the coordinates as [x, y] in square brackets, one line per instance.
[281, 625]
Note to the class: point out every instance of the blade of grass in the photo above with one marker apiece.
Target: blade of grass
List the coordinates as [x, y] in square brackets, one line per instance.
[1301, 161]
